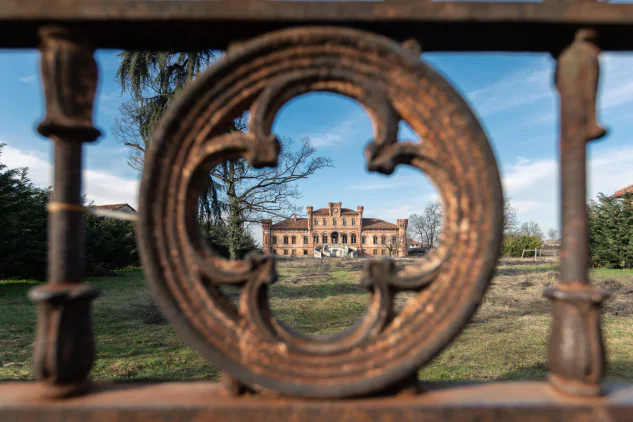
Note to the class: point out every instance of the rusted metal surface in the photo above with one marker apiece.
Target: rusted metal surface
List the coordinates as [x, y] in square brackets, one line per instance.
[260, 358]
[576, 350]
[392, 83]
[200, 401]
[64, 348]
[437, 25]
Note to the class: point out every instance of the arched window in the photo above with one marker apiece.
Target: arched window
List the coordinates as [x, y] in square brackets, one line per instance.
[285, 241]
[274, 240]
[316, 238]
[383, 240]
[345, 221]
[363, 240]
[375, 240]
[325, 221]
[344, 238]
[324, 238]
[353, 221]
[294, 240]
[353, 238]
[305, 240]
[334, 221]
[393, 239]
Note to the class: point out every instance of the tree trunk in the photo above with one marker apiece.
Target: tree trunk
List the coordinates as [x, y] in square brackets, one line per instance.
[235, 230]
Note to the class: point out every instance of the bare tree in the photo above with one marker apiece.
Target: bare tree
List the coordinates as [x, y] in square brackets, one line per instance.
[394, 247]
[531, 228]
[510, 220]
[553, 234]
[269, 192]
[428, 225]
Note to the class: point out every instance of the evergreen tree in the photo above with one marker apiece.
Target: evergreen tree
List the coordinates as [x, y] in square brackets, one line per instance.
[23, 225]
[611, 231]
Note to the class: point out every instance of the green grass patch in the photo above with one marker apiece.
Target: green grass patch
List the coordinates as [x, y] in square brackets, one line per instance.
[506, 340]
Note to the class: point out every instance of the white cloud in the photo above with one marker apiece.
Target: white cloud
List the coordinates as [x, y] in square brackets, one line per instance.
[340, 133]
[100, 186]
[27, 79]
[526, 173]
[534, 185]
[616, 81]
[526, 86]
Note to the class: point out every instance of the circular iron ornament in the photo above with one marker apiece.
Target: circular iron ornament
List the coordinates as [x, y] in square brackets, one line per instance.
[247, 341]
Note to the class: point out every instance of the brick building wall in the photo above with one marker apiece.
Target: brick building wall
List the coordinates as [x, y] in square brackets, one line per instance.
[335, 225]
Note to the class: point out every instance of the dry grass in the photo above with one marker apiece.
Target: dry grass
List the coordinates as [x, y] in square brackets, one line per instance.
[505, 340]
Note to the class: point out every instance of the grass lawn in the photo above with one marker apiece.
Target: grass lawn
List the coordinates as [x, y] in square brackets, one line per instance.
[505, 340]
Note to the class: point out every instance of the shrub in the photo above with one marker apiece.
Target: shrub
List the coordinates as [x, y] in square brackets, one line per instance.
[514, 245]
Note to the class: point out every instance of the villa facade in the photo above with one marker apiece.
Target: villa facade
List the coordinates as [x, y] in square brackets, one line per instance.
[335, 231]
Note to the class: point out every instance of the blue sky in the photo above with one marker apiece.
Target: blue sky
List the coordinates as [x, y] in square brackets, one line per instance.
[512, 94]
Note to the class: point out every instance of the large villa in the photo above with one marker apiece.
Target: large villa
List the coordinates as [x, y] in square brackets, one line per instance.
[335, 231]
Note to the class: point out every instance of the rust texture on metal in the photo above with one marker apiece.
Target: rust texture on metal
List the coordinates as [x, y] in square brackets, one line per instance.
[203, 401]
[438, 25]
[576, 350]
[279, 50]
[392, 83]
[64, 348]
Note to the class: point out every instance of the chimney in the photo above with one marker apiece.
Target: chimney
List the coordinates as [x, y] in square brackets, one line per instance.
[294, 216]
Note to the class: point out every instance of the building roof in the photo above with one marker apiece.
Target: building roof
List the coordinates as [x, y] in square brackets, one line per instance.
[622, 192]
[326, 211]
[377, 223]
[413, 241]
[113, 207]
[291, 223]
[302, 223]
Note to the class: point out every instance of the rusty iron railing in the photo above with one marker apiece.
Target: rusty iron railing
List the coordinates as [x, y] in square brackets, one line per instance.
[276, 50]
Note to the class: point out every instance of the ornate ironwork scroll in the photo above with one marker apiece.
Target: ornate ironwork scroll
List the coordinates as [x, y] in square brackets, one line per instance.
[576, 350]
[248, 343]
[64, 351]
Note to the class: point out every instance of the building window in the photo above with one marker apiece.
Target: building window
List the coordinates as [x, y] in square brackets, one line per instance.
[274, 240]
[353, 221]
[316, 221]
[382, 252]
[363, 240]
[274, 251]
[294, 240]
[345, 221]
[375, 240]
[393, 239]
[285, 251]
[325, 221]
[375, 251]
[383, 239]
[334, 221]
[344, 238]
[325, 238]
[305, 240]
[305, 252]
[294, 253]
[354, 238]
[285, 240]
[316, 238]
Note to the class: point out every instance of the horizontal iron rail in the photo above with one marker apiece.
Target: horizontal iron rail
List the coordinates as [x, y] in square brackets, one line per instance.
[517, 401]
[438, 25]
